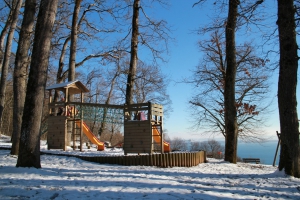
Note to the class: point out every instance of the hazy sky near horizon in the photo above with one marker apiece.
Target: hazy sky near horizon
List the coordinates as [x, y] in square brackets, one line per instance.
[185, 56]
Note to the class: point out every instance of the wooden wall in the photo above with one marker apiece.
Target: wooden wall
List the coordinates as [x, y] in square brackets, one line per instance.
[57, 130]
[137, 137]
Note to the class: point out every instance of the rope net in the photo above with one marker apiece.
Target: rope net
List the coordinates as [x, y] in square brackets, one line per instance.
[98, 113]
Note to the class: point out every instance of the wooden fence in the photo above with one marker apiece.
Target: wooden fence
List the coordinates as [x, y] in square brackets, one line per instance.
[188, 159]
[160, 160]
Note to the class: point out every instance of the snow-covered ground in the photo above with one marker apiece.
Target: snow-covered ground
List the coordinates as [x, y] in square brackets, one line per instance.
[63, 177]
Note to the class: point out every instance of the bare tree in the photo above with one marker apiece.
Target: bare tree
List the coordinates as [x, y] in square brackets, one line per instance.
[195, 146]
[82, 31]
[150, 85]
[20, 71]
[144, 34]
[16, 5]
[73, 40]
[178, 144]
[231, 127]
[133, 52]
[287, 84]
[233, 20]
[213, 148]
[29, 150]
[207, 103]
[115, 76]
[4, 32]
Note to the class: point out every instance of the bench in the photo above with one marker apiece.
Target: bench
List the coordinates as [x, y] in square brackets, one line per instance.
[251, 160]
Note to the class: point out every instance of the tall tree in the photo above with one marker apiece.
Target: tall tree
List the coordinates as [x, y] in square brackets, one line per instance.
[133, 53]
[231, 127]
[3, 35]
[14, 19]
[287, 101]
[73, 45]
[207, 102]
[240, 12]
[29, 150]
[20, 71]
[145, 32]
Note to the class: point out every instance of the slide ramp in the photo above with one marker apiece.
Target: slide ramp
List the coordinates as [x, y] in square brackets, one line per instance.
[91, 136]
[157, 138]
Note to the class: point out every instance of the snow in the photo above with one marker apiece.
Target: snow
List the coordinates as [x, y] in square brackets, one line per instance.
[63, 177]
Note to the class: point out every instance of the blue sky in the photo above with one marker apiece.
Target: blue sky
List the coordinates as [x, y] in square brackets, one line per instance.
[184, 56]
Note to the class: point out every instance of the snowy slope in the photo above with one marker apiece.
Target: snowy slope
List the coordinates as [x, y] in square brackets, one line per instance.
[64, 177]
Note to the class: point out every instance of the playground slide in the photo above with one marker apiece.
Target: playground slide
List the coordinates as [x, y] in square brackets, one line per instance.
[91, 136]
[157, 139]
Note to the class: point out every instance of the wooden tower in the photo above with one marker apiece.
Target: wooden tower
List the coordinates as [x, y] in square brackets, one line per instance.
[60, 125]
[143, 128]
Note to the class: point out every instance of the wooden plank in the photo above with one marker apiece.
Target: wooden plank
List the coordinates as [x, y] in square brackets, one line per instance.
[97, 105]
[138, 129]
[137, 105]
[138, 132]
[137, 148]
[137, 142]
[138, 137]
[141, 131]
[136, 123]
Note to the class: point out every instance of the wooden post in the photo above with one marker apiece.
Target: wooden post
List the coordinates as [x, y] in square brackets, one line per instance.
[81, 121]
[150, 123]
[279, 140]
[50, 101]
[161, 134]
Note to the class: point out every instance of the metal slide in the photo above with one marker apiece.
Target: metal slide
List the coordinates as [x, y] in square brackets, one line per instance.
[157, 138]
[91, 136]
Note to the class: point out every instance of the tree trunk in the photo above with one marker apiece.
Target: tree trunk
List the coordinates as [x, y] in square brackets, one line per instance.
[16, 8]
[60, 77]
[20, 72]
[3, 35]
[287, 100]
[109, 96]
[72, 59]
[229, 93]
[134, 50]
[29, 150]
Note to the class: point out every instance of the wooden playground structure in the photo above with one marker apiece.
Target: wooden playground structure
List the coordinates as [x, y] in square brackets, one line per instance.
[60, 125]
[143, 129]
[143, 123]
